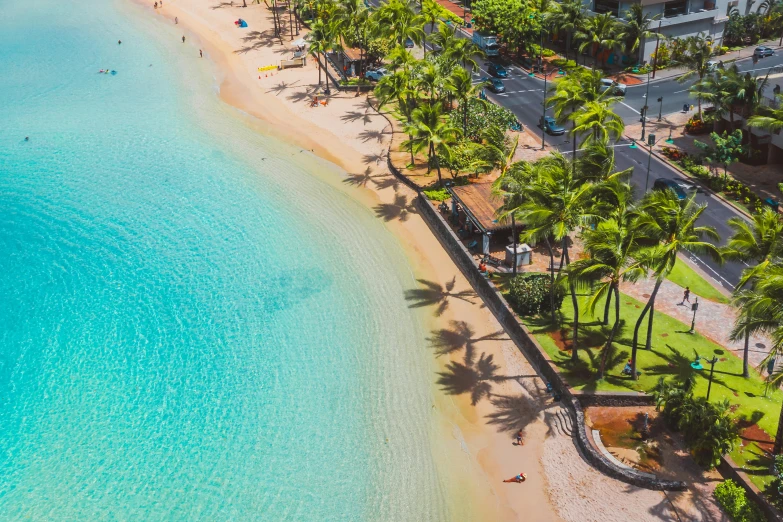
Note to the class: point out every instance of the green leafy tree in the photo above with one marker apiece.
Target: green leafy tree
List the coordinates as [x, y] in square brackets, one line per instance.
[570, 19]
[430, 14]
[513, 21]
[769, 119]
[401, 21]
[726, 150]
[598, 122]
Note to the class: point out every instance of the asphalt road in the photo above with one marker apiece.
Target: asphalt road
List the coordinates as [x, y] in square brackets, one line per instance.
[525, 95]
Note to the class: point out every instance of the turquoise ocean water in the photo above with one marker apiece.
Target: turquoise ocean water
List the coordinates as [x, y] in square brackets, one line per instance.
[192, 325]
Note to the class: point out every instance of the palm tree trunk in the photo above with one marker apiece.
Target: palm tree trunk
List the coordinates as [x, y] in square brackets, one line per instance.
[745, 371]
[607, 305]
[465, 117]
[635, 342]
[429, 159]
[575, 304]
[648, 342]
[551, 278]
[779, 435]
[437, 165]
[615, 327]
[568, 44]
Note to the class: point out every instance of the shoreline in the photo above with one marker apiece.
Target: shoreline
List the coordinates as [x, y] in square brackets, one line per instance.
[474, 455]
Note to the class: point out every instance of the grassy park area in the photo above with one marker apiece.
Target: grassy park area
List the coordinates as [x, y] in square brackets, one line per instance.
[673, 351]
[684, 275]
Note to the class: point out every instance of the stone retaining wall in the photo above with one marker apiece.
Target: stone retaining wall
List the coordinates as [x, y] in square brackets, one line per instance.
[530, 348]
[730, 470]
[614, 399]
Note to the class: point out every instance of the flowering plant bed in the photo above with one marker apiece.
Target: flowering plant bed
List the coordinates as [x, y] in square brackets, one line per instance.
[696, 125]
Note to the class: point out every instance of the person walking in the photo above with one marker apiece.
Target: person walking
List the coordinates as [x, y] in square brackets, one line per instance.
[686, 296]
[176, 20]
[183, 39]
[201, 53]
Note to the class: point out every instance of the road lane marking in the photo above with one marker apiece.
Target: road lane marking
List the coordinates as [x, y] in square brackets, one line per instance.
[698, 259]
[634, 110]
[684, 90]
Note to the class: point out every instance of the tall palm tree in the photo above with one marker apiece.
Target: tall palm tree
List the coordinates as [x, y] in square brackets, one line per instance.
[764, 303]
[598, 122]
[402, 22]
[400, 88]
[722, 89]
[612, 246]
[759, 242]
[511, 186]
[458, 50]
[570, 19]
[460, 85]
[430, 130]
[558, 202]
[671, 223]
[696, 60]
[430, 14]
[320, 39]
[600, 32]
[635, 29]
[498, 150]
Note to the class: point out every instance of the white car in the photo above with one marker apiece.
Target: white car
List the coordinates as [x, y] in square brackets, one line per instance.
[618, 89]
[376, 74]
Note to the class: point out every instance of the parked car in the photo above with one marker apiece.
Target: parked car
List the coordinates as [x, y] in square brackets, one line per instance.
[712, 66]
[497, 70]
[549, 124]
[763, 51]
[376, 74]
[496, 86]
[618, 89]
[680, 187]
[409, 43]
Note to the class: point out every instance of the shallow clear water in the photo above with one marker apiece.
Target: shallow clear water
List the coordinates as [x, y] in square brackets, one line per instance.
[192, 324]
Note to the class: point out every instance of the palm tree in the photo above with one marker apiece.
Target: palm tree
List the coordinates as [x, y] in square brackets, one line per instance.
[612, 246]
[570, 19]
[599, 122]
[696, 60]
[401, 21]
[759, 242]
[460, 84]
[498, 150]
[455, 49]
[398, 87]
[636, 29]
[722, 89]
[768, 119]
[430, 130]
[320, 39]
[429, 80]
[430, 14]
[671, 223]
[599, 31]
[558, 203]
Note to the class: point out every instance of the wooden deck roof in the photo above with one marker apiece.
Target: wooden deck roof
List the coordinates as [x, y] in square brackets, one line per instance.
[352, 54]
[479, 202]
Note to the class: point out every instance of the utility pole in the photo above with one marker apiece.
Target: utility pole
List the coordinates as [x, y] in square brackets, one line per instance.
[644, 109]
[660, 109]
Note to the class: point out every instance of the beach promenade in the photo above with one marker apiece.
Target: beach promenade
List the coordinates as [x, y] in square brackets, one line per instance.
[476, 436]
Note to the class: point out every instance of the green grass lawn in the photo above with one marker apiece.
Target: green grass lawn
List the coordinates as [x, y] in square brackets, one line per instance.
[672, 352]
[684, 275]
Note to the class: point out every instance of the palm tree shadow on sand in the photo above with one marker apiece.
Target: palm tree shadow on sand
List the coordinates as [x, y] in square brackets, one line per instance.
[468, 378]
[435, 294]
[401, 209]
[460, 336]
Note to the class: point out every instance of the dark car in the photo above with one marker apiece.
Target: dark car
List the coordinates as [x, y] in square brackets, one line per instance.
[496, 86]
[763, 51]
[497, 70]
[409, 43]
[681, 188]
[549, 124]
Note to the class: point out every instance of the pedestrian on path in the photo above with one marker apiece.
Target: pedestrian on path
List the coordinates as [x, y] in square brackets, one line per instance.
[183, 39]
[686, 296]
[201, 53]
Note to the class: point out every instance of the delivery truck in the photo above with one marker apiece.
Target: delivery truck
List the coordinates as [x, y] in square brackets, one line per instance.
[487, 43]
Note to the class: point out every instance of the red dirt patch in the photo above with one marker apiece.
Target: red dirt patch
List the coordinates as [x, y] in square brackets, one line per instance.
[621, 427]
[664, 335]
[559, 338]
[755, 435]
[627, 79]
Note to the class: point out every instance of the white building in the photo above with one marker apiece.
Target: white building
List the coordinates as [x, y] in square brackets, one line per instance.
[678, 18]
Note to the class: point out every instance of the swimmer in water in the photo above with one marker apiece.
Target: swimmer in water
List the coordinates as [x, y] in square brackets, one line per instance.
[119, 42]
[27, 138]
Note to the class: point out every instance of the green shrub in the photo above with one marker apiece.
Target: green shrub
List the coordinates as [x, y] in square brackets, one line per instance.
[564, 64]
[548, 53]
[774, 490]
[482, 114]
[437, 195]
[707, 427]
[780, 187]
[528, 294]
[736, 504]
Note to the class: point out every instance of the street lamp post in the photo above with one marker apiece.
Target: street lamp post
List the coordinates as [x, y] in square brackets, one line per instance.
[543, 115]
[696, 365]
[657, 41]
[644, 109]
[660, 108]
[650, 143]
[694, 307]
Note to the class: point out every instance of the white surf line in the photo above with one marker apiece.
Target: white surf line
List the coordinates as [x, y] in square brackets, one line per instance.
[634, 110]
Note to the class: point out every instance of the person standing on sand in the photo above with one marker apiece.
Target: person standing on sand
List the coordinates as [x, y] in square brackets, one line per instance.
[201, 53]
[183, 39]
[686, 296]
[176, 21]
[156, 5]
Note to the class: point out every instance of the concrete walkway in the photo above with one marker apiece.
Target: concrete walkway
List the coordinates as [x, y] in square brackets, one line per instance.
[713, 320]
